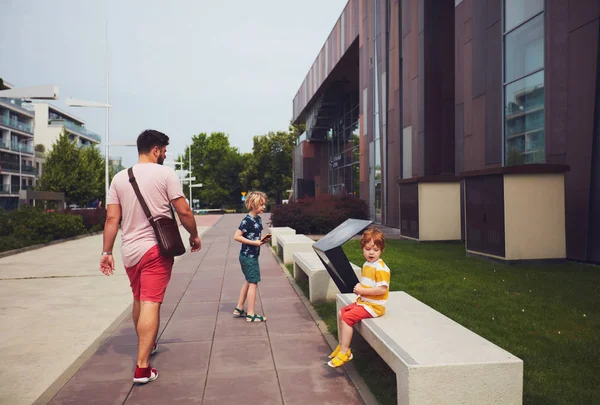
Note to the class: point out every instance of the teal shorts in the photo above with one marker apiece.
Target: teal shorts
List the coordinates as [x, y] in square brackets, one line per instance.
[250, 269]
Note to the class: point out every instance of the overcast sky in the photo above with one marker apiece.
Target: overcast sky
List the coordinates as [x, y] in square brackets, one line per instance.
[179, 66]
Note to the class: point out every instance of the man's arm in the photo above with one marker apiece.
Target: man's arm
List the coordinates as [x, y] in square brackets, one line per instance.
[185, 215]
[111, 228]
[188, 221]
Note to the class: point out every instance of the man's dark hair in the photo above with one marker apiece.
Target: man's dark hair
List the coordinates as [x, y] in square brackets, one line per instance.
[149, 139]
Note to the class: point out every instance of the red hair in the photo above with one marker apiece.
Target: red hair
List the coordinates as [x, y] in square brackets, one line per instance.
[375, 235]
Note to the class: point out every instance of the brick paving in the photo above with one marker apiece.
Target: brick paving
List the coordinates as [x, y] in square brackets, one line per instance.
[206, 356]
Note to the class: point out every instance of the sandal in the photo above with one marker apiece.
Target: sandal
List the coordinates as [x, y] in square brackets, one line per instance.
[340, 359]
[239, 312]
[335, 352]
[255, 318]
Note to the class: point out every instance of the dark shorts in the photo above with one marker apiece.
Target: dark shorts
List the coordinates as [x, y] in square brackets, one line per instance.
[250, 268]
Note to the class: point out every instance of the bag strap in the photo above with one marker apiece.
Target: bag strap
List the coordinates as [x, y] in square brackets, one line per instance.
[136, 188]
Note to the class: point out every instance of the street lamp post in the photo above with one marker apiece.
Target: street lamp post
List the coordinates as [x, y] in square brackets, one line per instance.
[72, 102]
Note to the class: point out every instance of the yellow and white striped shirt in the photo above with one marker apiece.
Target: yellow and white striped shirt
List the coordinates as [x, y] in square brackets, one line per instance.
[375, 274]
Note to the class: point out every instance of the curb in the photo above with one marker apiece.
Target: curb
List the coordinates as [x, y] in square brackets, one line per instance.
[41, 245]
[358, 382]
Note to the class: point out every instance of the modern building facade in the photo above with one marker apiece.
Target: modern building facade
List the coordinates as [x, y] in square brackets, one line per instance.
[17, 168]
[50, 122]
[474, 120]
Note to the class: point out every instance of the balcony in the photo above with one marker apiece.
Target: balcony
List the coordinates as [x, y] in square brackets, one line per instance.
[21, 147]
[12, 188]
[13, 167]
[16, 106]
[16, 124]
[77, 129]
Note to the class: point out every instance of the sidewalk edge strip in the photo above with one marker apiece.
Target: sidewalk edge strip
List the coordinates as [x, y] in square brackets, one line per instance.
[358, 382]
[64, 378]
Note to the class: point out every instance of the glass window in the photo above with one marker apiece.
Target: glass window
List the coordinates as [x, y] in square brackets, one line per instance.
[518, 11]
[524, 120]
[524, 49]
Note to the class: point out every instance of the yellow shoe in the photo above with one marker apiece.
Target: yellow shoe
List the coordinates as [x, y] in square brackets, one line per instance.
[340, 359]
[335, 352]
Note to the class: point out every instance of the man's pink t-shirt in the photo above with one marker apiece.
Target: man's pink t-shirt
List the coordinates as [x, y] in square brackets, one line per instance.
[159, 186]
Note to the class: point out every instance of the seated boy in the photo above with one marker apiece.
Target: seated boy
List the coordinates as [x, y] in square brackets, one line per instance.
[372, 294]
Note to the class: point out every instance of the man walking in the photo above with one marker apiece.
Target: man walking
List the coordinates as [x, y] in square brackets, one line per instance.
[149, 272]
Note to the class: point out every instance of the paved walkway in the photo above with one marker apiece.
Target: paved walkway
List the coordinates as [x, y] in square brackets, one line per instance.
[208, 357]
[54, 305]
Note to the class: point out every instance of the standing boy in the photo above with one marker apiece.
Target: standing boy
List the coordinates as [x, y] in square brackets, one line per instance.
[249, 235]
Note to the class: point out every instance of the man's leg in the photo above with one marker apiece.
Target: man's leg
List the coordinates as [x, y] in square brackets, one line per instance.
[147, 330]
[136, 313]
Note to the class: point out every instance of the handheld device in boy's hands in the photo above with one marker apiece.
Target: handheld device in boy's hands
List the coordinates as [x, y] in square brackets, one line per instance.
[266, 238]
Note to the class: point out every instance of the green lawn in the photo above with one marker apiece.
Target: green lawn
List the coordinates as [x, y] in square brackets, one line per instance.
[547, 315]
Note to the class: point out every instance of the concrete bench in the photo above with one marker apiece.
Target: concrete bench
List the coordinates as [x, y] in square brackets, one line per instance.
[287, 245]
[280, 230]
[308, 266]
[436, 360]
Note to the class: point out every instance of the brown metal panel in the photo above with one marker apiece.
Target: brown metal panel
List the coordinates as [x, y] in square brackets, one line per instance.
[407, 101]
[409, 210]
[406, 17]
[494, 12]
[485, 214]
[493, 111]
[468, 9]
[459, 138]
[583, 58]
[556, 78]
[416, 157]
[468, 30]
[459, 57]
[582, 12]
[414, 35]
[479, 47]
[468, 88]
[479, 108]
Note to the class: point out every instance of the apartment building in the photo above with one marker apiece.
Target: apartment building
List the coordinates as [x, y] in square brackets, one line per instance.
[17, 156]
[50, 121]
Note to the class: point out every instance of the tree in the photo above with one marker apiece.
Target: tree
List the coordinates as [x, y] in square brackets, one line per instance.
[79, 173]
[215, 164]
[269, 167]
[91, 176]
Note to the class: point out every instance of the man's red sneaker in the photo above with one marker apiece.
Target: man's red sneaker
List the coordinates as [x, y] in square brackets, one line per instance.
[144, 375]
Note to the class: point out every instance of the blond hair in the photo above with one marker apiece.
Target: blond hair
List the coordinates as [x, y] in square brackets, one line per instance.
[253, 199]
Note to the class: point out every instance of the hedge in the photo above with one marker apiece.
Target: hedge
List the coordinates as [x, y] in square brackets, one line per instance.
[319, 215]
[31, 226]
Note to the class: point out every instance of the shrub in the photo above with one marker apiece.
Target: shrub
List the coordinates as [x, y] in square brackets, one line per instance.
[30, 226]
[93, 219]
[319, 215]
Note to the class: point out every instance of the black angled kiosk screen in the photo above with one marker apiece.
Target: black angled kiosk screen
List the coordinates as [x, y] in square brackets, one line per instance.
[329, 249]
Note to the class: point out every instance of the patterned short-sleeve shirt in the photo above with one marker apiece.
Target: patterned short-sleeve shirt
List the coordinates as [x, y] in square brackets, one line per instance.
[251, 228]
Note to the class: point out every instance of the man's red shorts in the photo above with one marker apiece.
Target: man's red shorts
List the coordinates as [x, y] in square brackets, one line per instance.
[354, 313]
[149, 278]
